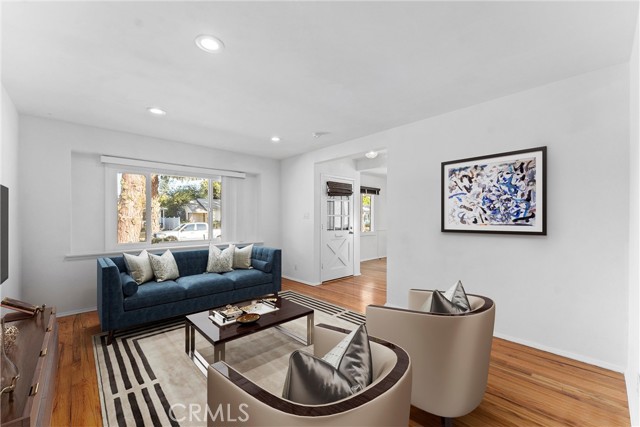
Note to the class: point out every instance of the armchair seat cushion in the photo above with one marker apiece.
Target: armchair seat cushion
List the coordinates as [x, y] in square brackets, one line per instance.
[205, 284]
[154, 293]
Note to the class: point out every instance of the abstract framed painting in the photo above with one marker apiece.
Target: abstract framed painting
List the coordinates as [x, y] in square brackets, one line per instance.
[498, 193]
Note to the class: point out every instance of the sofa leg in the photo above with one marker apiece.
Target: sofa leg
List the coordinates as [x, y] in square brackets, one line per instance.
[446, 421]
[110, 337]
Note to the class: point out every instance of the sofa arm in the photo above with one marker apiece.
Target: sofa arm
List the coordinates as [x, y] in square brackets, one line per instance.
[271, 260]
[110, 297]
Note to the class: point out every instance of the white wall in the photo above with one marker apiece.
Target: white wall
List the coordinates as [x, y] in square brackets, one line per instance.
[633, 362]
[374, 245]
[12, 287]
[565, 292]
[63, 200]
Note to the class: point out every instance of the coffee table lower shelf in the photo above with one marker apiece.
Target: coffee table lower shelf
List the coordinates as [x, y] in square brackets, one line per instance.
[218, 336]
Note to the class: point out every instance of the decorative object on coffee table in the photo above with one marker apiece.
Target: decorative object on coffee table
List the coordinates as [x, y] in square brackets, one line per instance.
[498, 193]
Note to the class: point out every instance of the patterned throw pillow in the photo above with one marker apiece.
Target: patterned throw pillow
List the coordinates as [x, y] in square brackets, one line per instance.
[164, 266]
[139, 267]
[219, 261]
[241, 256]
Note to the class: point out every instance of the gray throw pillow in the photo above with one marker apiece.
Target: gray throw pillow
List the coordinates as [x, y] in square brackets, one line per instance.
[139, 267]
[313, 381]
[458, 296]
[439, 304]
[219, 261]
[454, 294]
[352, 357]
[164, 266]
[242, 256]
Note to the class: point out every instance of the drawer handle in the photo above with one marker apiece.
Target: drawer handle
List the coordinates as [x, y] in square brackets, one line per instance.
[34, 389]
[43, 352]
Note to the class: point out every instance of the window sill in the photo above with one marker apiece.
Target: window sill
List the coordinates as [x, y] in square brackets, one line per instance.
[118, 252]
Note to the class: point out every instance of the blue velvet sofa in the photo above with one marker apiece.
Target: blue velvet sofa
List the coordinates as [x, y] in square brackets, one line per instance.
[122, 303]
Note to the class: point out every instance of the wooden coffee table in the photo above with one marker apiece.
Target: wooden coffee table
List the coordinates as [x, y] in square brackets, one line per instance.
[218, 336]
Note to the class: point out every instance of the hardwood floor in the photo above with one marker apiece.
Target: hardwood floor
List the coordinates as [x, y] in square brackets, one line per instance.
[527, 387]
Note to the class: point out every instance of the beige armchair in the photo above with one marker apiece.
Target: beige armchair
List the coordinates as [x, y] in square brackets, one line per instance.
[449, 352]
[384, 403]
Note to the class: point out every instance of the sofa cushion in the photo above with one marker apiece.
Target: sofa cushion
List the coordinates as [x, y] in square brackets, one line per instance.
[261, 265]
[139, 267]
[154, 293]
[205, 284]
[247, 278]
[129, 286]
[191, 262]
[164, 266]
[219, 261]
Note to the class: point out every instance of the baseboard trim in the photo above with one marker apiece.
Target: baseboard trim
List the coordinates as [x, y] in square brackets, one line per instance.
[304, 282]
[632, 384]
[73, 312]
[563, 353]
[374, 258]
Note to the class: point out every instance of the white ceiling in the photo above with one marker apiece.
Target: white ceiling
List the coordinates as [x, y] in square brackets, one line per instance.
[293, 68]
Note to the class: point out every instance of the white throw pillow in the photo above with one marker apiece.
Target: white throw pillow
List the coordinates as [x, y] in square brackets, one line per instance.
[242, 256]
[219, 261]
[139, 267]
[164, 266]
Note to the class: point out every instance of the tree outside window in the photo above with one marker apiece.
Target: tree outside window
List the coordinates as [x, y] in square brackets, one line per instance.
[366, 216]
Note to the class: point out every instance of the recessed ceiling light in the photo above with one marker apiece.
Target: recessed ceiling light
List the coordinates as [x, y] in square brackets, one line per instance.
[209, 43]
[157, 111]
[371, 154]
[275, 138]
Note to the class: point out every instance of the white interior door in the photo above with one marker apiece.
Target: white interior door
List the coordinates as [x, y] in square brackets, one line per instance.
[337, 234]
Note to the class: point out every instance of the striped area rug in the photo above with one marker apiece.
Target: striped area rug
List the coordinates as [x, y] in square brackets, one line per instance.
[146, 378]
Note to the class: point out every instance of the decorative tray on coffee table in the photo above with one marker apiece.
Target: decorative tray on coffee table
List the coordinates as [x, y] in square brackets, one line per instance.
[246, 314]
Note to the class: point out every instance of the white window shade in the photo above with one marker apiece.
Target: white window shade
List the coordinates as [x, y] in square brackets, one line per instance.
[170, 167]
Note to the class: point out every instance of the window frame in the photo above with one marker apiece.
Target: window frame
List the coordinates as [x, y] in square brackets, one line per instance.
[372, 229]
[111, 211]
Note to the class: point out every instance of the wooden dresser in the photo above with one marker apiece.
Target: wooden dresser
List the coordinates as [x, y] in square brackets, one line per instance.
[36, 356]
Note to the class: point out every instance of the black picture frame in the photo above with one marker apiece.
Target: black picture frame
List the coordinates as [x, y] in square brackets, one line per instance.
[503, 193]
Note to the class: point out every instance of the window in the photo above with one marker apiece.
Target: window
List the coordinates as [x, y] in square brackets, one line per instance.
[366, 216]
[157, 208]
[338, 213]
